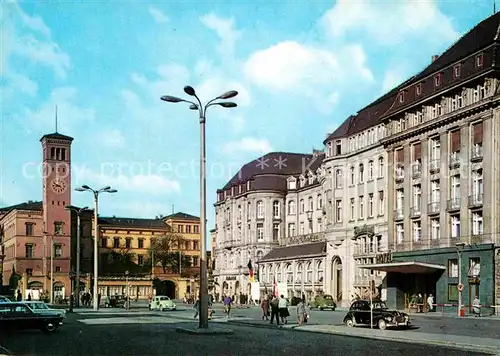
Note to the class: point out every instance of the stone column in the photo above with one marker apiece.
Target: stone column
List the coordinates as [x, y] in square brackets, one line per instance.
[465, 180]
[389, 198]
[444, 187]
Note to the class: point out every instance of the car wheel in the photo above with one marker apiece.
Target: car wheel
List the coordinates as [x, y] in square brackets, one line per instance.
[333, 309]
[350, 323]
[50, 327]
[382, 325]
[163, 309]
[321, 308]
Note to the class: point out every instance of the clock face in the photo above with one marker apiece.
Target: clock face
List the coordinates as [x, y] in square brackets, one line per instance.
[58, 185]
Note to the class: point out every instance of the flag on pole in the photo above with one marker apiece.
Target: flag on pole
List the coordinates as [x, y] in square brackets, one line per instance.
[250, 272]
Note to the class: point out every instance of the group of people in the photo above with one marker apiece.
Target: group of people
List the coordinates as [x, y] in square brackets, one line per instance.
[279, 310]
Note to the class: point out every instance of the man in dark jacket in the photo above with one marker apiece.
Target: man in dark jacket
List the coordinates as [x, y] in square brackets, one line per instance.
[275, 310]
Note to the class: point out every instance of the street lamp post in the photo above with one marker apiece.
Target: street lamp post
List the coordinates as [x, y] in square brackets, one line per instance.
[460, 247]
[76, 287]
[51, 269]
[127, 305]
[86, 188]
[203, 321]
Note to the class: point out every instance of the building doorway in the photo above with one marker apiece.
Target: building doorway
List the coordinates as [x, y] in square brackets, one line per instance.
[165, 287]
[336, 279]
[473, 292]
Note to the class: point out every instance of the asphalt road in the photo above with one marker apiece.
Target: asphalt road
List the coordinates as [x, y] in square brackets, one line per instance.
[113, 335]
[434, 324]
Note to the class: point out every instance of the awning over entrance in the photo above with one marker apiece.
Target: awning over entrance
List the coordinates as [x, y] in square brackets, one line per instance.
[405, 267]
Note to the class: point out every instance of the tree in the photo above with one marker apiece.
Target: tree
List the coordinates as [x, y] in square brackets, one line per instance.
[117, 262]
[165, 249]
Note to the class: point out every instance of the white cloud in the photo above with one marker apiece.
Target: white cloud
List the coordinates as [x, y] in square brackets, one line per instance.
[247, 144]
[225, 29]
[389, 22]
[158, 15]
[152, 184]
[70, 113]
[392, 78]
[112, 138]
[308, 71]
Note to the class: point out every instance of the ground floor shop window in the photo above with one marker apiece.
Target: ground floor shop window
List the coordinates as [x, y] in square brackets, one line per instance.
[452, 293]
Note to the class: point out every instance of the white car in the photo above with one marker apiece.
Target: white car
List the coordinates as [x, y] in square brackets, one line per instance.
[162, 303]
[40, 307]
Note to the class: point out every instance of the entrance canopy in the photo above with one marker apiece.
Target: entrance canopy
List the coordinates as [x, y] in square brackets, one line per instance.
[405, 267]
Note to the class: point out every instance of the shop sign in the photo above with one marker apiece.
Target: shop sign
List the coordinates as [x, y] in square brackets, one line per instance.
[384, 258]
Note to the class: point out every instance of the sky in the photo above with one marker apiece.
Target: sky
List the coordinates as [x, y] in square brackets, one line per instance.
[300, 67]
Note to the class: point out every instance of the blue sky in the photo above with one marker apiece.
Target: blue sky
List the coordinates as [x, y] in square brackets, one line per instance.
[301, 68]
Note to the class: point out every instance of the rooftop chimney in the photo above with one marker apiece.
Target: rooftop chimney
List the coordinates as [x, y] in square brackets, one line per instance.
[434, 57]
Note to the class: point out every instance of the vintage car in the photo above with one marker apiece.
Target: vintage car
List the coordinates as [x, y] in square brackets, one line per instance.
[19, 316]
[4, 299]
[41, 307]
[324, 301]
[361, 312]
[162, 303]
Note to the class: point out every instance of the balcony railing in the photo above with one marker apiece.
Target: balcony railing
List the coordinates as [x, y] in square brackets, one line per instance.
[398, 214]
[454, 160]
[301, 239]
[453, 204]
[434, 208]
[416, 169]
[475, 200]
[476, 153]
[434, 165]
[415, 211]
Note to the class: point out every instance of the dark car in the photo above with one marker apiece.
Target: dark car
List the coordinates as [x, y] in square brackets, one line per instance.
[323, 301]
[360, 314]
[4, 299]
[18, 316]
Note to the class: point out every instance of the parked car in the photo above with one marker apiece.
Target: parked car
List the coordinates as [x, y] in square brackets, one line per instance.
[41, 307]
[162, 303]
[4, 299]
[19, 316]
[360, 313]
[324, 301]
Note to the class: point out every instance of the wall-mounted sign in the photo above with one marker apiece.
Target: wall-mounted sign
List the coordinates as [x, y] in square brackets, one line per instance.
[230, 278]
[384, 258]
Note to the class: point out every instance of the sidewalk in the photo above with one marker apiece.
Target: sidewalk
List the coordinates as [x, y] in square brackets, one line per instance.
[465, 343]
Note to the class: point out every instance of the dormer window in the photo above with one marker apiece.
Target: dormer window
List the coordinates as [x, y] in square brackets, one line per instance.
[418, 89]
[311, 179]
[402, 97]
[437, 80]
[329, 149]
[292, 184]
[338, 148]
[479, 60]
[456, 71]
[248, 185]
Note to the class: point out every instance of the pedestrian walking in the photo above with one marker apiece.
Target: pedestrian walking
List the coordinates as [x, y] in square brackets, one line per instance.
[265, 308]
[227, 305]
[476, 306]
[196, 308]
[430, 302]
[301, 312]
[283, 309]
[275, 310]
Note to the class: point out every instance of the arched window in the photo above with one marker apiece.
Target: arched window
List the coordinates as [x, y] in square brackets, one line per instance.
[289, 273]
[319, 272]
[310, 203]
[370, 170]
[239, 260]
[302, 206]
[352, 176]
[260, 254]
[361, 173]
[276, 209]
[298, 273]
[338, 179]
[320, 201]
[260, 209]
[291, 207]
[278, 273]
[309, 272]
[380, 167]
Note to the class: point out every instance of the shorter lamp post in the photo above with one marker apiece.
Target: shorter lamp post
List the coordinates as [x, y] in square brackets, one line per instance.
[72, 276]
[127, 305]
[76, 287]
[460, 247]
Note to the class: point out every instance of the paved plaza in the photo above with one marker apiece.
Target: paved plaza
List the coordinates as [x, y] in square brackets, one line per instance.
[142, 332]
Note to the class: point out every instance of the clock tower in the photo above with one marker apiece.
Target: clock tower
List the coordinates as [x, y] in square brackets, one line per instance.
[56, 178]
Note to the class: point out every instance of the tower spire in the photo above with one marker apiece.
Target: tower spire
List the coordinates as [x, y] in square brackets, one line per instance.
[56, 118]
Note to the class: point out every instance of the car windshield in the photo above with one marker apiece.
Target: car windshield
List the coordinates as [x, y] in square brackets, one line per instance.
[40, 306]
[380, 305]
[164, 298]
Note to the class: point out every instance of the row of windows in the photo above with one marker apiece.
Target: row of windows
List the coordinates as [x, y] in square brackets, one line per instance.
[29, 250]
[361, 207]
[187, 245]
[188, 229]
[58, 228]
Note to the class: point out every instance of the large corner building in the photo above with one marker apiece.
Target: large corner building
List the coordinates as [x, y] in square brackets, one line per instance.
[404, 190]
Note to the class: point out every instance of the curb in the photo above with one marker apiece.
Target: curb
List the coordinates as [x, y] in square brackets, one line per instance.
[441, 343]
